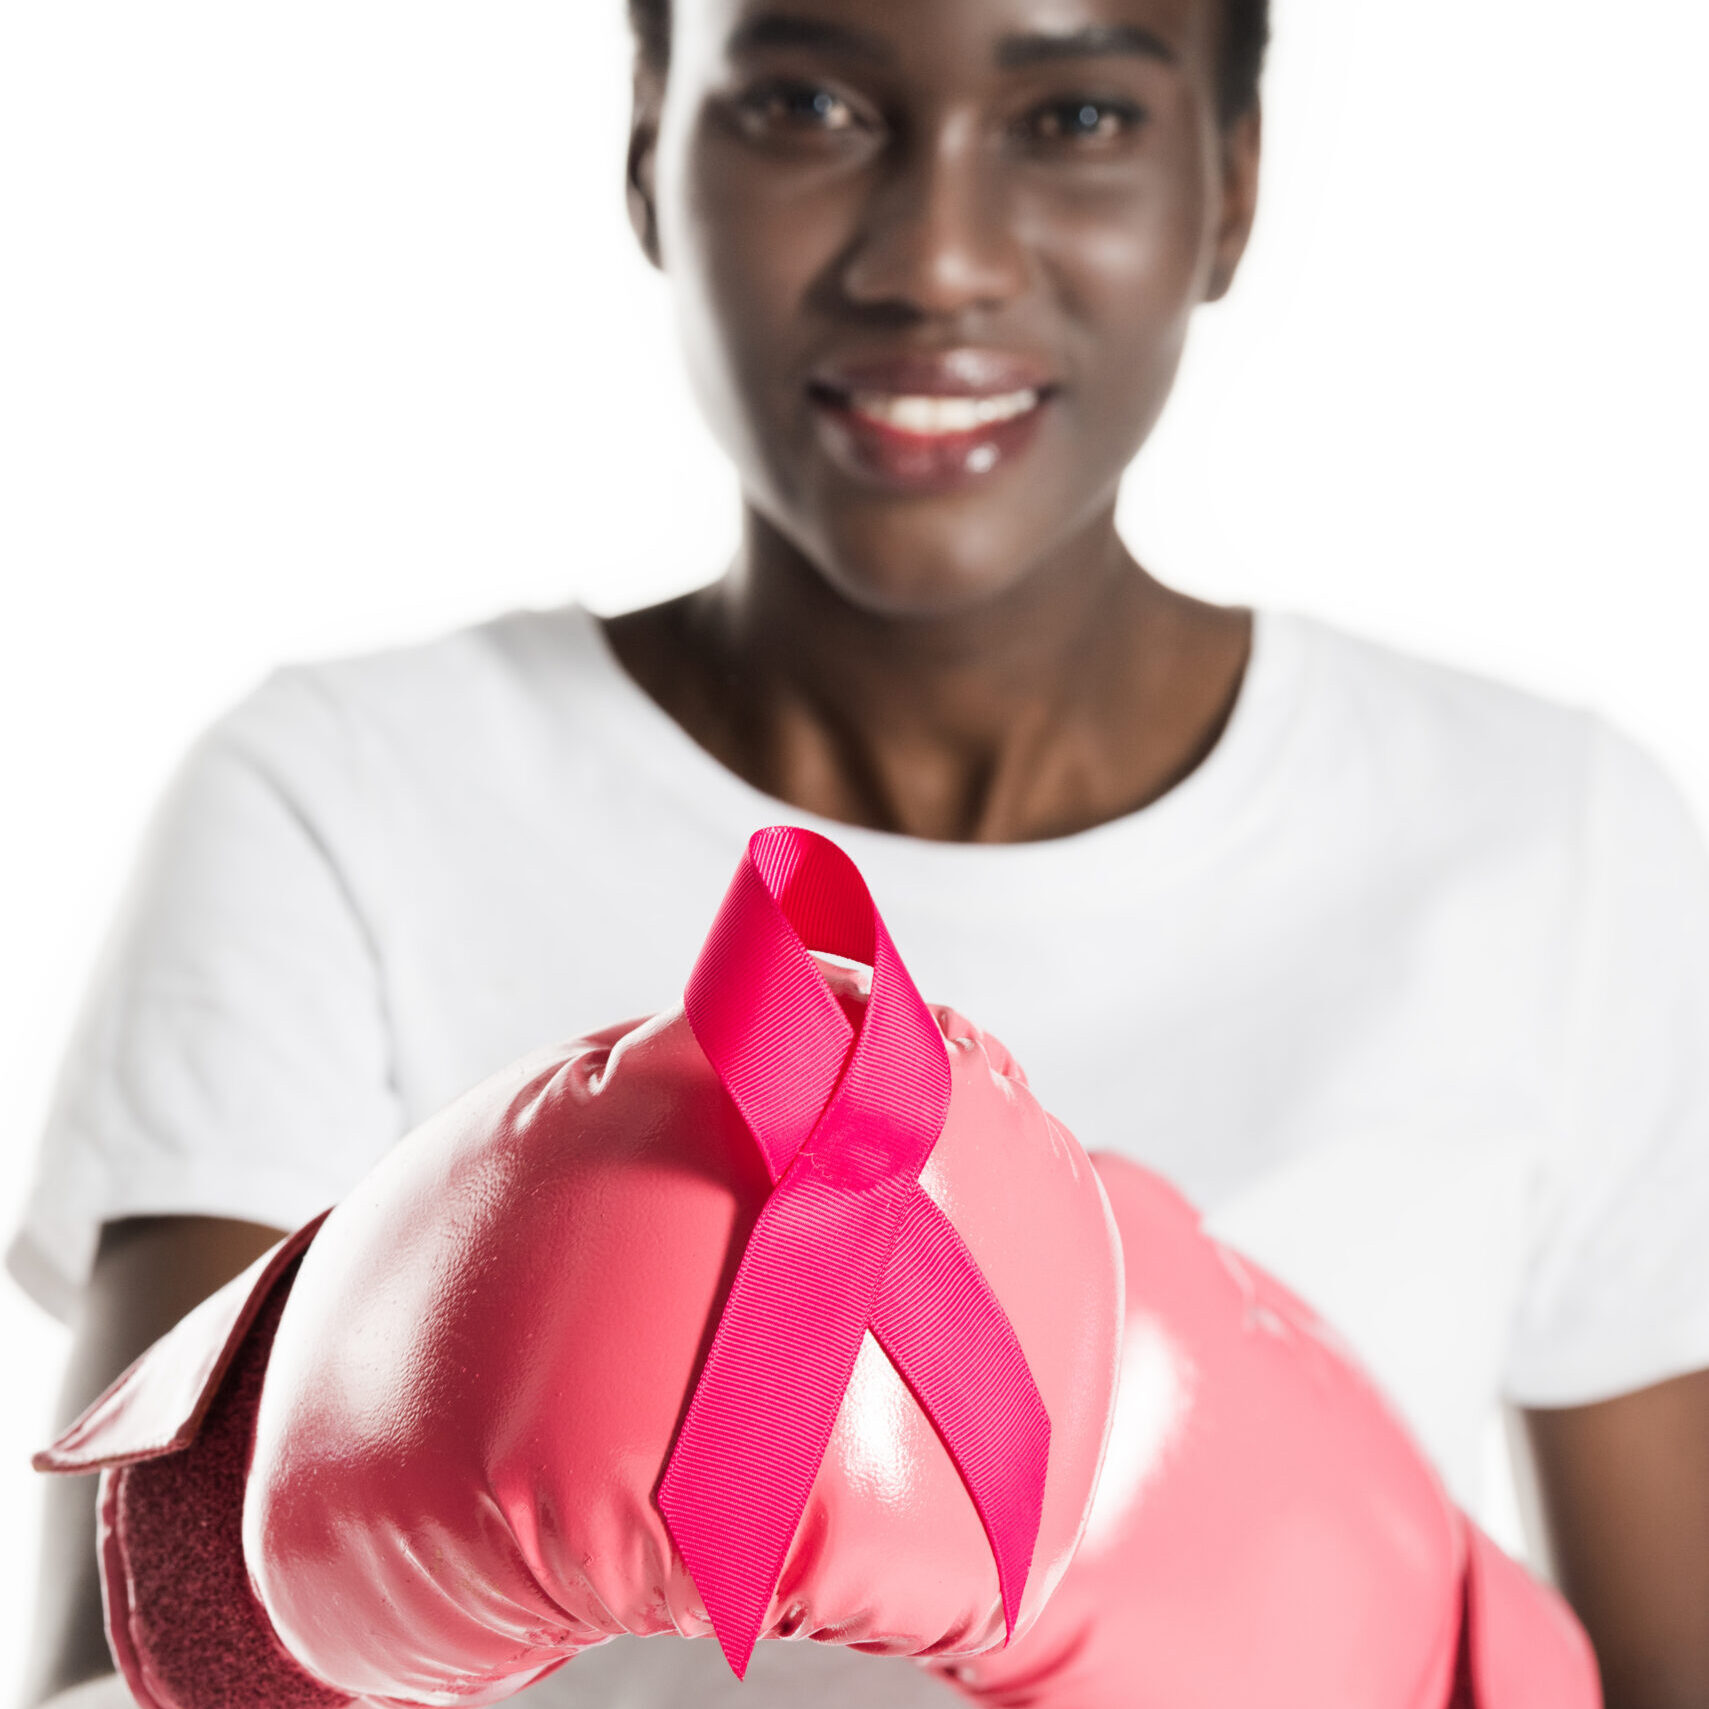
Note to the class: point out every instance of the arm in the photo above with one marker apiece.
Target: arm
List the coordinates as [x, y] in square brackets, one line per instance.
[148, 1273]
[1624, 1489]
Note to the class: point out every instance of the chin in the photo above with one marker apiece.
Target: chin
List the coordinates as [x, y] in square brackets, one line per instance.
[914, 572]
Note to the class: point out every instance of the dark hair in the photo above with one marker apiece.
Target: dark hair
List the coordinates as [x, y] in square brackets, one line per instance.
[1246, 36]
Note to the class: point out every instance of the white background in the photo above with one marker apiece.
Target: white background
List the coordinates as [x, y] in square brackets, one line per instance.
[320, 327]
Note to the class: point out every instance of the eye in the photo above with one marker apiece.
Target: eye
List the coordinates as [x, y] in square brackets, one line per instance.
[789, 105]
[1095, 120]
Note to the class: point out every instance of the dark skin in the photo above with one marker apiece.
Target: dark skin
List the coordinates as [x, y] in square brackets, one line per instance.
[1051, 179]
[1624, 1494]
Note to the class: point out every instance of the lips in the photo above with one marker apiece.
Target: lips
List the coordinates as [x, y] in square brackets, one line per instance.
[929, 422]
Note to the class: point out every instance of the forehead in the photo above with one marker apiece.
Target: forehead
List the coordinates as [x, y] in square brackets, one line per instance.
[953, 34]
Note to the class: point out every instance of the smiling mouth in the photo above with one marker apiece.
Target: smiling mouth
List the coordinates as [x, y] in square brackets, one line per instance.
[922, 442]
[934, 417]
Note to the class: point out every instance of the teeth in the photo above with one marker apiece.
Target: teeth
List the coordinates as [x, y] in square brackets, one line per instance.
[928, 415]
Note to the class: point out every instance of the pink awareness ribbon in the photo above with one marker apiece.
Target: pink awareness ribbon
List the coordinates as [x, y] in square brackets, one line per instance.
[847, 1241]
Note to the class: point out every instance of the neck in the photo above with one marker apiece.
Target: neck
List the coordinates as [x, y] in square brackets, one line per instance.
[1079, 694]
[966, 677]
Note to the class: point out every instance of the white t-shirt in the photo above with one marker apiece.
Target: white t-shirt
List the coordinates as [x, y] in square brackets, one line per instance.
[1407, 985]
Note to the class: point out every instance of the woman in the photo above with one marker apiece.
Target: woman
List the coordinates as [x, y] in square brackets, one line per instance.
[1403, 976]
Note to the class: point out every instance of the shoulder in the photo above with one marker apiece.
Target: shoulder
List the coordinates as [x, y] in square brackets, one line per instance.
[448, 702]
[1430, 767]
[1434, 717]
[1448, 751]
[438, 681]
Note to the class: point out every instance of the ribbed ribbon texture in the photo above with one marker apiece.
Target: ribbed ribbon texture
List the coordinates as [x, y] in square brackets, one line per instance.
[847, 1241]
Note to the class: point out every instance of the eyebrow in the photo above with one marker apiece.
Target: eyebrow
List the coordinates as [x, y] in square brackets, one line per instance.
[784, 30]
[1102, 41]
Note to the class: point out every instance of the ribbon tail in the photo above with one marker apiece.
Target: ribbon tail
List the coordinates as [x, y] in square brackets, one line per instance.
[756, 1431]
[952, 1343]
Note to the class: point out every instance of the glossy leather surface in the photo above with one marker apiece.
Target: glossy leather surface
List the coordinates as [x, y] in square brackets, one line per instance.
[1523, 1648]
[1266, 1535]
[480, 1372]
[457, 1492]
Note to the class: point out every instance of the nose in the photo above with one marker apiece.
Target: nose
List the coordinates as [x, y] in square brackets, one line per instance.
[938, 239]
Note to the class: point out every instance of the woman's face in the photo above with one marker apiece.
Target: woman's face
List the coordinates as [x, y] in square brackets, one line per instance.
[934, 262]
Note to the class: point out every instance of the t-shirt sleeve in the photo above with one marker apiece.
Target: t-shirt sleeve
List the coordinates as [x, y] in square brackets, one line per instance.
[1617, 1296]
[232, 1055]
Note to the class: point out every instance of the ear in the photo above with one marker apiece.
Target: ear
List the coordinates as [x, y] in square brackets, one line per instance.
[643, 156]
[1242, 147]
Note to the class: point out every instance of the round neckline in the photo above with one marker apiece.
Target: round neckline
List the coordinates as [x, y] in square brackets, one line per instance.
[1215, 801]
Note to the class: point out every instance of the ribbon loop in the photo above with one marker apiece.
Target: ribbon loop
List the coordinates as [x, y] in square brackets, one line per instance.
[845, 1120]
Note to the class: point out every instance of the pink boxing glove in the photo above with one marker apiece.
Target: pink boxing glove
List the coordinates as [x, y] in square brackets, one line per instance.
[788, 1313]
[1265, 1534]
